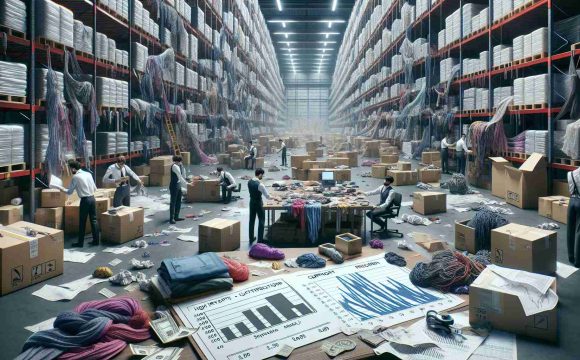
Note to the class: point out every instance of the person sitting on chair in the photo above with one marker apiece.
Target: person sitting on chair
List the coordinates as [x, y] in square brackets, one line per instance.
[251, 157]
[228, 184]
[386, 192]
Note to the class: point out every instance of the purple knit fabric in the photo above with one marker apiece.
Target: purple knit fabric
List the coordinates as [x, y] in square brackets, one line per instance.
[263, 251]
[376, 244]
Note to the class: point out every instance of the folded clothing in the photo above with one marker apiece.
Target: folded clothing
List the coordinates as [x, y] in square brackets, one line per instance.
[188, 289]
[195, 268]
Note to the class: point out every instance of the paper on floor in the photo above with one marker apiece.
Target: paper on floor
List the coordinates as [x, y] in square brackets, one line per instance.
[189, 238]
[175, 229]
[75, 256]
[67, 291]
[565, 270]
[123, 250]
[115, 262]
[499, 345]
[107, 293]
[44, 325]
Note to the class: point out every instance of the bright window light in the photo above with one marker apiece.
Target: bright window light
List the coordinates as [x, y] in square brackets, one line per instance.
[279, 3]
[286, 35]
[330, 24]
[284, 24]
[327, 35]
[334, 3]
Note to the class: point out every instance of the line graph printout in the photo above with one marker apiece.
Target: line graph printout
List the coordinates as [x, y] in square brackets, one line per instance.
[255, 321]
[370, 292]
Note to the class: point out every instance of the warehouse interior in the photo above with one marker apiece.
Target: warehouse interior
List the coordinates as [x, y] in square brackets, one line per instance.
[288, 179]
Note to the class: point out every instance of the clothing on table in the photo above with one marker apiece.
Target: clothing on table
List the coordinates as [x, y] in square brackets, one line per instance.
[573, 232]
[297, 209]
[386, 193]
[257, 190]
[313, 212]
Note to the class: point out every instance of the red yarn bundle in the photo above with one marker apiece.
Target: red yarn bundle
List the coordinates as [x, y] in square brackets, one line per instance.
[238, 271]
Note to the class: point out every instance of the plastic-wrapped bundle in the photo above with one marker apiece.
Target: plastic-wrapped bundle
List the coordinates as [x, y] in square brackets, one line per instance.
[125, 58]
[122, 139]
[13, 15]
[17, 144]
[102, 47]
[139, 54]
[118, 57]
[41, 138]
[13, 78]
[88, 148]
[48, 24]
[103, 91]
[571, 145]
[541, 141]
[179, 74]
[138, 14]
[190, 79]
[107, 143]
[125, 94]
[112, 47]
[559, 143]
[66, 27]
[530, 141]
[5, 145]
[41, 84]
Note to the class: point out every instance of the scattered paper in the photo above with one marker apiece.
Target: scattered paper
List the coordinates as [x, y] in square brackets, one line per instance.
[44, 325]
[77, 256]
[175, 229]
[189, 238]
[123, 250]
[262, 264]
[143, 350]
[131, 287]
[499, 345]
[115, 262]
[285, 351]
[107, 293]
[167, 329]
[406, 203]
[565, 270]
[67, 291]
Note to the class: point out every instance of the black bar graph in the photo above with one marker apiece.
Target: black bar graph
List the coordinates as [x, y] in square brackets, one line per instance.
[269, 315]
[228, 334]
[243, 329]
[254, 319]
[283, 305]
[304, 310]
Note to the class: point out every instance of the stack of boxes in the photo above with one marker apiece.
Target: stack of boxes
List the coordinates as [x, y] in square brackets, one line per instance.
[160, 170]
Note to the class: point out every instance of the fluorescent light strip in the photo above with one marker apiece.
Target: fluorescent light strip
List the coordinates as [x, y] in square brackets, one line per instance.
[334, 3]
[334, 21]
[279, 3]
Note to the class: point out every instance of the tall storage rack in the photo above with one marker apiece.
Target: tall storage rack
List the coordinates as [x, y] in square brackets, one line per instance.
[347, 93]
[267, 89]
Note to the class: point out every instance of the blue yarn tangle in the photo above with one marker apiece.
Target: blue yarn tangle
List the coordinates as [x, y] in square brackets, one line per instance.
[310, 260]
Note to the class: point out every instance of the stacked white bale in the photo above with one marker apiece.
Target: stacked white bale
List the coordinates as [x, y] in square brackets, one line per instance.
[102, 46]
[41, 84]
[139, 54]
[107, 143]
[111, 51]
[122, 140]
[13, 78]
[518, 48]
[13, 15]
[519, 92]
[66, 26]
[541, 142]
[539, 43]
[530, 141]
[42, 138]
[48, 25]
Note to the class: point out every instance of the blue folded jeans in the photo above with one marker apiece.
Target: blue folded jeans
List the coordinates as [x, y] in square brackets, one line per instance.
[195, 268]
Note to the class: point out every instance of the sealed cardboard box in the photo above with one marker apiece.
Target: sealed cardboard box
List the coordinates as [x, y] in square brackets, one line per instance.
[351, 155]
[50, 217]
[430, 175]
[338, 161]
[125, 225]
[490, 304]
[223, 159]
[159, 180]
[465, 237]
[161, 165]
[260, 162]
[315, 174]
[389, 159]
[311, 146]
[309, 164]
[219, 235]
[72, 213]
[390, 150]
[52, 198]
[299, 174]
[560, 210]
[545, 205]
[341, 175]
[142, 170]
[403, 177]
[236, 164]
[348, 244]
[27, 260]
[525, 185]
[8, 193]
[186, 157]
[108, 193]
[427, 202]
[498, 176]
[379, 171]
[404, 165]
[10, 214]
[524, 248]
[205, 190]
[560, 187]
[427, 157]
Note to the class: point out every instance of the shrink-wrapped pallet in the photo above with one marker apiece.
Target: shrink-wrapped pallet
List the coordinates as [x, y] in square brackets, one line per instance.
[107, 143]
[139, 54]
[13, 78]
[66, 27]
[48, 25]
[13, 15]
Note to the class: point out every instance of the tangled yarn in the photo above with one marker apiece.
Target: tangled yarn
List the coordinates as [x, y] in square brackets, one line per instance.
[395, 259]
[482, 257]
[103, 272]
[239, 272]
[262, 251]
[457, 184]
[311, 261]
[446, 270]
[376, 244]
[414, 219]
[332, 253]
[483, 222]
[93, 330]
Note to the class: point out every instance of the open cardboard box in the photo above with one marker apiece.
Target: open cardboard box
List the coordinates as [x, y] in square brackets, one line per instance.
[525, 185]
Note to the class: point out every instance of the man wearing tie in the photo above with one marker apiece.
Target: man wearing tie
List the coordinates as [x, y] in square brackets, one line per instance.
[119, 174]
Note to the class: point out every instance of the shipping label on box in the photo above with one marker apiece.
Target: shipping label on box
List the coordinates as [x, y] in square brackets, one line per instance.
[219, 235]
[427, 203]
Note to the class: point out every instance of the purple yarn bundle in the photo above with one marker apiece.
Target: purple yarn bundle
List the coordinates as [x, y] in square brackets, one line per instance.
[376, 244]
[262, 251]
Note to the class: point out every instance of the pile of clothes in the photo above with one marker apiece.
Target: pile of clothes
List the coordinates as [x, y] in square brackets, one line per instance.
[196, 274]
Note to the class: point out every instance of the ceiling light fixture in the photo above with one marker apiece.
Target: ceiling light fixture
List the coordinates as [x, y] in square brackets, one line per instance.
[330, 24]
[283, 24]
[334, 3]
[279, 3]
[286, 35]
[327, 35]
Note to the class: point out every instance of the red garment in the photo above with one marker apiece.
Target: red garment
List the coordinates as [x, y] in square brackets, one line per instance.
[298, 211]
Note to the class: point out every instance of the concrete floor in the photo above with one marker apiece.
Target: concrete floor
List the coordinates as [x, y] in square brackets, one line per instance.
[21, 309]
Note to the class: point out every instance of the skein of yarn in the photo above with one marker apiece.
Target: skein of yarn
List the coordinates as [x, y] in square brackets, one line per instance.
[483, 222]
[310, 260]
[262, 251]
[376, 244]
[237, 270]
[395, 259]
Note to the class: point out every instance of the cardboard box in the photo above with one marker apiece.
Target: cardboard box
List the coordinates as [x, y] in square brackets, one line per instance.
[403, 177]
[299, 174]
[351, 155]
[9, 214]
[560, 187]
[50, 217]
[186, 157]
[495, 306]
[498, 176]
[142, 170]
[107, 193]
[348, 244]
[309, 164]
[159, 180]
[379, 171]
[26, 260]
[161, 165]
[219, 235]
[545, 205]
[465, 237]
[390, 150]
[524, 248]
[526, 184]
[125, 225]
[311, 146]
[7, 194]
[428, 202]
[315, 174]
[72, 213]
[404, 166]
[389, 159]
[319, 152]
[206, 190]
[223, 159]
[560, 210]
[236, 164]
[430, 175]
[338, 161]
[427, 157]
[234, 148]
[50, 198]
[298, 160]
[342, 175]
[260, 162]
[144, 180]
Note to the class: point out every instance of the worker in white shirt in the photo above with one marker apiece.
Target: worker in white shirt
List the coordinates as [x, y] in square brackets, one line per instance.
[445, 155]
[573, 228]
[386, 193]
[228, 184]
[257, 190]
[283, 150]
[83, 183]
[176, 189]
[251, 157]
[461, 152]
[119, 174]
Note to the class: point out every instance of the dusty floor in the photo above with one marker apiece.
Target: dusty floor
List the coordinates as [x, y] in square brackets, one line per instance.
[21, 309]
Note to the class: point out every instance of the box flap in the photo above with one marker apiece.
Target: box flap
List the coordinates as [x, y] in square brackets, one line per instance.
[498, 159]
[533, 162]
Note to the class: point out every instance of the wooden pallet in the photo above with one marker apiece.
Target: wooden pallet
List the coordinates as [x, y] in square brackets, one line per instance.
[83, 54]
[536, 106]
[12, 32]
[4, 169]
[13, 99]
[502, 66]
[53, 44]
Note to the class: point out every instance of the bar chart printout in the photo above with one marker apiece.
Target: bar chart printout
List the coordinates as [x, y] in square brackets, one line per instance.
[255, 321]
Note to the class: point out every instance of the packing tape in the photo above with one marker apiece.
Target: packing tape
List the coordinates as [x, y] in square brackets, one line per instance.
[131, 217]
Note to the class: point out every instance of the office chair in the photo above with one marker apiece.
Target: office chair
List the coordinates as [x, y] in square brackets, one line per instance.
[237, 190]
[395, 208]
